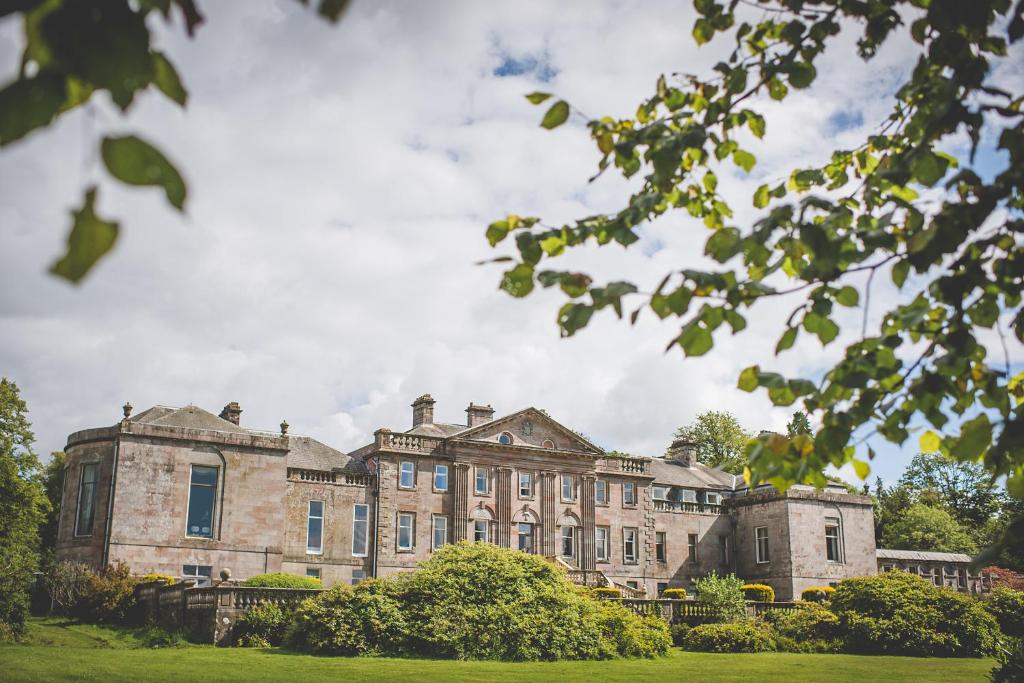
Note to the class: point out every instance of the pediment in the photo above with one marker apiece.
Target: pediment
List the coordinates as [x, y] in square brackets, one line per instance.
[529, 427]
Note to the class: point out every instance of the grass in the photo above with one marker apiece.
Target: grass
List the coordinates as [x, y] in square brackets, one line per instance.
[56, 650]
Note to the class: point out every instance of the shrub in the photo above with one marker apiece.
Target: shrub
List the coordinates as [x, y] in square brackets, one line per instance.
[281, 580]
[1006, 578]
[107, 597]
[262, 626]
[723, 594]
[808, 627]
[67, 583]
[150, 578]
[739, 637]
[606, 593]
[674, 593]
[818, 594]
[625, 634]
[679, 632]
[1007, 606]
[1011, 664]
[759, 592]
[345, 620]
[902, 614]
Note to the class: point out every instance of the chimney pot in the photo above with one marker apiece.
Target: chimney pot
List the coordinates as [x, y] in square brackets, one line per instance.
[284, 427]
[684, 452]
[477, 415]
[127, 409]
[423, 410]
[232, 412]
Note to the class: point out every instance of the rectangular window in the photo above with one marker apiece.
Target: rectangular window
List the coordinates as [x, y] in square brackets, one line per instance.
[358, 575]
[525, 537]
[315, 527]
[440, 534]
[313, 572]
[629, 546]
[568, 541]
[659, 492]
[659, 546]
[687, 496]
[691, 547]
[714, 498]
[201, 573]
[662, 587]
[833, 540]
[440, 477]
[360, 529]
[406, 474]
[568, 488]
[406, 530]
[723, 549]
[525, 485]
[86, 500]
[628, 493]
[202, 493]
[601, 543]
[761, 544]
[601, 492]
[633, 584]
[483, 481]
[481, 531]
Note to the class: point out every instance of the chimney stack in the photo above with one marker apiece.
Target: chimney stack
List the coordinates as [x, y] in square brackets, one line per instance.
[477, 415]
[232, 412]
[684, 452]
[423, 410]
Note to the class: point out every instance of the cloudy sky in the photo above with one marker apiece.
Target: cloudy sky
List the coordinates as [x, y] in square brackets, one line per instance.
[340, 180]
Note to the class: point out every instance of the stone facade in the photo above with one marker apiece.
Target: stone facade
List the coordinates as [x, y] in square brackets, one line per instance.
[184, 492]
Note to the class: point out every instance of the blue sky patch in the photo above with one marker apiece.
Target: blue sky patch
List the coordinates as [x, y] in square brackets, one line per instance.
[845, 120]
[538, 66]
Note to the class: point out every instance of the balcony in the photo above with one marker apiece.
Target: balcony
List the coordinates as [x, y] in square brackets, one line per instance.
[387, 440]
[687, 508]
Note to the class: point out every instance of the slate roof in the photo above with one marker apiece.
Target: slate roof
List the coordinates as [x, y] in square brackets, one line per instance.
[307, 453]
[189, 417]
[439, 429]
[920, 555]
[699, 476]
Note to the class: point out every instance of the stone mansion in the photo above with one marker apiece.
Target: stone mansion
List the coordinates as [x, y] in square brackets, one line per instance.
[184, 492]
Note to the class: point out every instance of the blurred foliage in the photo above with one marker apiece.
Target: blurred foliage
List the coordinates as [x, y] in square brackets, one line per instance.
[720, 439]
[899, 205]
[77, 49]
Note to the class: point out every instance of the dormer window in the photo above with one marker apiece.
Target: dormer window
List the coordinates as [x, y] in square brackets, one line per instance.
[548, 443]
[659, 492]
[505, 439]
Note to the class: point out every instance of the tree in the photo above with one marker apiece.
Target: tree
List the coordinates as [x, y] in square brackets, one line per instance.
[76, 49]
[720, 440]
[798, 425]
[862, 213]
[23, 507]
[964, 488]
[53, 486]
[923, 527]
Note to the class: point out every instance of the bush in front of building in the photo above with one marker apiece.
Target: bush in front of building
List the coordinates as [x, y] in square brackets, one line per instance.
[732, 637]
[817, 594]
[105, 597]
[901, 614]
[679, 632]
[625, 634]
[808, 627]
[758, 592]
[605, 592]
[723, 595]
[1011, 663]
[281, 580]
[366, 619]
[674, 593]
[1007, 606]
[262, 626]
[151, 578]
[67, 582]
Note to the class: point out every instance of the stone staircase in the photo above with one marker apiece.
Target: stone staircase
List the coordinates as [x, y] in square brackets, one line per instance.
[595, 578]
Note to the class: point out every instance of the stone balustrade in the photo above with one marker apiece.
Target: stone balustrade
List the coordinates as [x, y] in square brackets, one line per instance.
[690, 611]
[407, 443]
[685, 507]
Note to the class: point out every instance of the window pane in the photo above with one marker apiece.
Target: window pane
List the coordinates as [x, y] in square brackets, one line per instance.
[405, 532]
[204, 475]
[601, 491]
[86, 500]
[441, 477]
[316, 508]
[201, 497]
[313, 572]
[481, 481]
[440, 531]
[406, 478]
[360, 524]
[315, 527]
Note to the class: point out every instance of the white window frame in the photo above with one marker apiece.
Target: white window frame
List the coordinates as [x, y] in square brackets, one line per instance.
[687, 496]
[758, 537]
[630, 500]
[438, 469]
[568, 533]
[402, 472]
[358, 579]
[201, 579]
[713, 498]
[92, 496]
[662, 489]
[435, 527]
[310, 550]
[837, 524]
[692, 540]
[630, 538]
[366, 531]
[411, 516]
[568, 479]
[529, 485]
[601, 536]
[520, 534]
[660, 541]
[600, 491]
[487, 481]
[213, 509]
[481, 525]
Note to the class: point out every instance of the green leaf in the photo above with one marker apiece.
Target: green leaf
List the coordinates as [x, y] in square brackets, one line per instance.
[748, 378]
[90, 238]
[801, 74]
[848, 296]
[929, 442]
[861, 468]
[777, 89]
[166, 79]
[573, 317]
[332, 9]
[928, 168]
[28, 104]
[496, 232]
[537, 97]
[975, 438]
[744, 159]
[703, 31]
[756, 124]
[761, 197]
[899, 272]
[710, 181]
[695, 340]
[518, 281]
[556, 116]
[135, 162]
[786, 340]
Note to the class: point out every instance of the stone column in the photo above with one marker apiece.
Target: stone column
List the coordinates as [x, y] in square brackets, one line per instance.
[503, 503]
[588, 558]
[547, 514]
[460, 502]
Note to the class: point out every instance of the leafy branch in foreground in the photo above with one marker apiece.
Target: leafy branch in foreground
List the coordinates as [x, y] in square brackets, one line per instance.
[75, 49]
[862, 212]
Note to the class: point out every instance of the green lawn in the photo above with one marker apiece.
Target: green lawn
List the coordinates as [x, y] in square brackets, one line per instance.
[56, 650]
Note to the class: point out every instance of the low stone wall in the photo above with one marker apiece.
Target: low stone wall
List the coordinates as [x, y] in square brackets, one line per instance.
[690, 611]
[208, 614]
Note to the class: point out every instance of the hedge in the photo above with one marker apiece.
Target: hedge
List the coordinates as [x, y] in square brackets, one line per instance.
[735, 637]
[674, 594]
[758, 591]
[281, 580]
[1007, 606]
[604, 592]
[818, 593]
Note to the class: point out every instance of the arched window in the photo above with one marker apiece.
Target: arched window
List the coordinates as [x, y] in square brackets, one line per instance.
[505, 438]
[548, 443]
